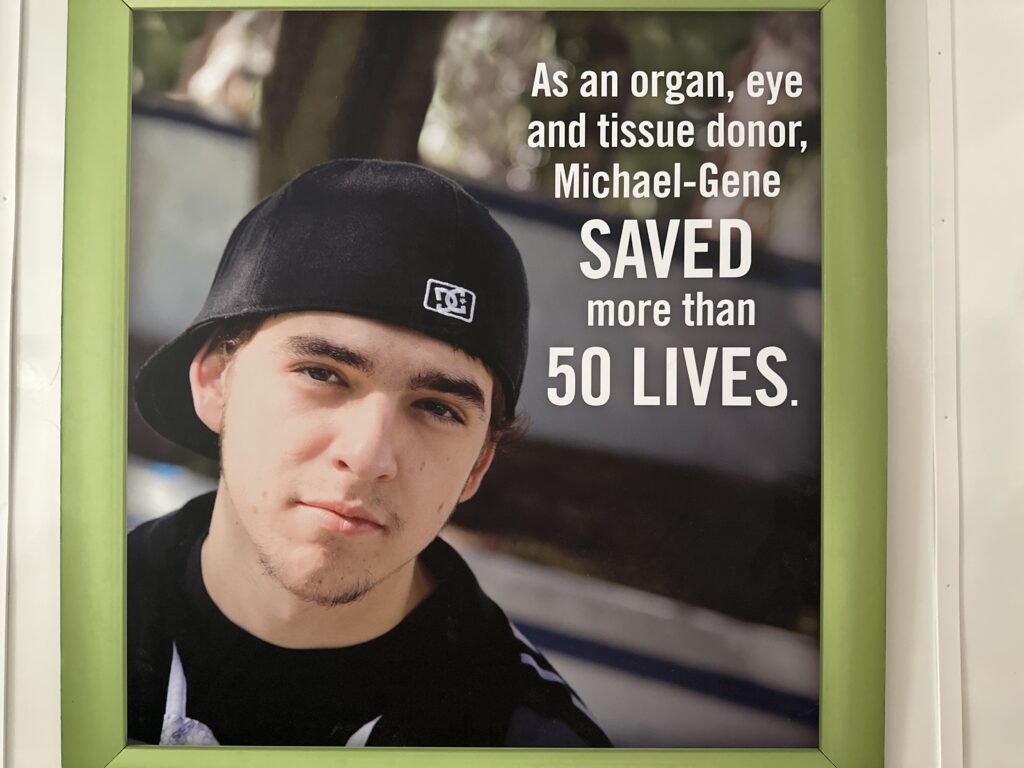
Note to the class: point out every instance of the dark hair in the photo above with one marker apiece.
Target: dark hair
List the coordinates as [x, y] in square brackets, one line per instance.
[232, 334]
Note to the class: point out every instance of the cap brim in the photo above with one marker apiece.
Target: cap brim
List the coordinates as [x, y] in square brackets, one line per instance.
[163, 393]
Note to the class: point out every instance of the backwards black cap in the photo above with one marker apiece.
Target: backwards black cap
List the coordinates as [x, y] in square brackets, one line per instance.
[390, 241]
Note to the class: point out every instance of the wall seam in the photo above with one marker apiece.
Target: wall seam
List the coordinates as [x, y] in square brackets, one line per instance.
[946, 438]
[10, 95]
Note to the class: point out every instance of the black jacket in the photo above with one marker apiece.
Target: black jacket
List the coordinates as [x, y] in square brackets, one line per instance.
[455, 672]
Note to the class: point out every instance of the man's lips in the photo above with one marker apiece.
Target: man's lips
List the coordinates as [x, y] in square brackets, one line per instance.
[343, 518]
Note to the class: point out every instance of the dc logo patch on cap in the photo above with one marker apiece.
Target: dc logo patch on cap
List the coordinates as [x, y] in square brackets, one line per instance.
[450, 300]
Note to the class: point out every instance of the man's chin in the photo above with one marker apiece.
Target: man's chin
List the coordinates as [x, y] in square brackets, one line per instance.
[329, 598]
[318, 587]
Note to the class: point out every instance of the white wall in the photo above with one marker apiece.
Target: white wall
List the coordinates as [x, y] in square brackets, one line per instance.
[32, 724]
[912, 733]
[10, 25]
[956, 315]
[956, 357]
[989, 60]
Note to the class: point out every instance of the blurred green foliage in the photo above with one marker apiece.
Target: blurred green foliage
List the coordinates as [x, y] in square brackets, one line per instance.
[160, 40]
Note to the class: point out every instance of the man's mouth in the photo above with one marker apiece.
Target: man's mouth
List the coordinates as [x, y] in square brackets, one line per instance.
[343, 518]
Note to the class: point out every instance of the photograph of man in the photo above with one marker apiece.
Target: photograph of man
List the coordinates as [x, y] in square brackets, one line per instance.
[357, 362]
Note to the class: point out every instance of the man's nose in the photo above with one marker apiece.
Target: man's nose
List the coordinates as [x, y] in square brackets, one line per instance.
[365, 439]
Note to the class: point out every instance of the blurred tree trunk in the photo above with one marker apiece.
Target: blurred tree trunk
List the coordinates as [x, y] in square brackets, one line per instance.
[352, 84]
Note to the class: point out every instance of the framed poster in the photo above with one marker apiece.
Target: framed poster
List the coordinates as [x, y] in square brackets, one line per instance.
[697, 511]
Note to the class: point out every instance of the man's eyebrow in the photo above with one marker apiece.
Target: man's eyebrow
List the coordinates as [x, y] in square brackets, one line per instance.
[317, 346]
[463, 388]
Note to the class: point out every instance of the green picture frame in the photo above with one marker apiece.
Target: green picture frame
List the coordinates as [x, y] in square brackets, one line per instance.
[95, 396]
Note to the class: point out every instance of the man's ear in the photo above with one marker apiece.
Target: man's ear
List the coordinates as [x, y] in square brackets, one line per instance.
[483, 463]
[208, 376]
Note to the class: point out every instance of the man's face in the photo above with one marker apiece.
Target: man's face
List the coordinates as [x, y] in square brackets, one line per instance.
[345, 445]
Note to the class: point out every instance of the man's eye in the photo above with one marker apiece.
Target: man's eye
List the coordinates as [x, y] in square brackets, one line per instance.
[441, 411]
[325, 375]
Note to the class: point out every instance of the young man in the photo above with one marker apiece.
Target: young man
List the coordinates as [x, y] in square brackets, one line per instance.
[356, 362]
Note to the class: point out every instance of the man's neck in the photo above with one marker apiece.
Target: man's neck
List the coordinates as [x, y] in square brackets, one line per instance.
[256, 601]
